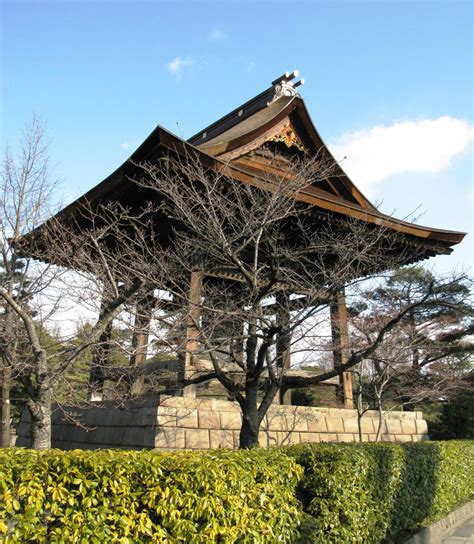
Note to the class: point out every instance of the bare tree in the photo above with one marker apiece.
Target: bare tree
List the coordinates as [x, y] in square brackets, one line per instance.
[26, 187]
[36, 278]
[256, 268]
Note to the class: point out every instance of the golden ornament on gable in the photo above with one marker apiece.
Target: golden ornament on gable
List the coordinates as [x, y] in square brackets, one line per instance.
[288, 136]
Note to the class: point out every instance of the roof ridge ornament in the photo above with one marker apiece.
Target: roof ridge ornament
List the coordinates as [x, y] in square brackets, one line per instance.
[284, 86]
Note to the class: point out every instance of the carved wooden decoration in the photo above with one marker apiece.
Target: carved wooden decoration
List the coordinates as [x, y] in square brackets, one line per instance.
[288, 136]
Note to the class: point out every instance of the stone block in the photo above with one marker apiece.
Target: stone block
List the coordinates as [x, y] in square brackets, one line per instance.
[317, 425]
[221, 439]
[393, 426]
[290, 438]
[368, 425]
[23, 442]
[335, 424]
[64, 445]
[263, 439]
[273, 438]
[409, 426]
[65, 433]
[342, 412]
[403, 438]
[150, 411]
[407, 415]
[197, 439]
[421, 426]
[230, 420]
[24, 429]
[138, 436]
[25, 416]
[290, 421]
[309, 437]
[179, 402]
[166, 416]
[143, 419]
[81, 435]
[186, 417]
[275, 421]
[220, 405]
[282, 438]
[177, 417]
[170, 438]
[351, 425]
[345, 437]
[208, 420]
[98, 435]
[328, 437]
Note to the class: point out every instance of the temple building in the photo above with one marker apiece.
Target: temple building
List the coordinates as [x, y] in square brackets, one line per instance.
[256, 140]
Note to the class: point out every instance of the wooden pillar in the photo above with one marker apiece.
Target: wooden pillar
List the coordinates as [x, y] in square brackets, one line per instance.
[100, 354]
[283, 341]
[141, 332]
[340, 338]
[192, 330]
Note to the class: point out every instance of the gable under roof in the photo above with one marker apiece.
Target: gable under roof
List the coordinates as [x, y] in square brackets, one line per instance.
[273, 114]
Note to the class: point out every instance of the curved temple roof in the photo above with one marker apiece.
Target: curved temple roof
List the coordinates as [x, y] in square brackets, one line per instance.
[278, 114]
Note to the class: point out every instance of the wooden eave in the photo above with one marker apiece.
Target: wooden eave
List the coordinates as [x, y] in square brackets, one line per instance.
[229, 145]
[161, 142]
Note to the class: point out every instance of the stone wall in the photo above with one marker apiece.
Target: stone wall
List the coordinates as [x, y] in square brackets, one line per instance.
[184, 423]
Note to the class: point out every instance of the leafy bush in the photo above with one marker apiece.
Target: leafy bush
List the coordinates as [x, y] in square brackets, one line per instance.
[373, 493]
[349, 493]
[132, 497]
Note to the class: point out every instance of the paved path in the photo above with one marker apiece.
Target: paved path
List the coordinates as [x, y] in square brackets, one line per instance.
[462, 535]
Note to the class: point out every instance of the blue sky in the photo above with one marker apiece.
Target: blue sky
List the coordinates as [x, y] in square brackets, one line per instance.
[388, 84]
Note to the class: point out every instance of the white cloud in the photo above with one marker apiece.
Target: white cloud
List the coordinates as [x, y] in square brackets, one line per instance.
[217, 35]
[376, 154]
[178, 63]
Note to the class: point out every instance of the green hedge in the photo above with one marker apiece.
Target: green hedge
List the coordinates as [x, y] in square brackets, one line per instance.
[132, 497]
[375, 493]
[348, 493]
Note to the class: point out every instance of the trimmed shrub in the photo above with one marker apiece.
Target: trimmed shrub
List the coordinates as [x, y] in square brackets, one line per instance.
[350, 493]
[373, 493]
[133, 497]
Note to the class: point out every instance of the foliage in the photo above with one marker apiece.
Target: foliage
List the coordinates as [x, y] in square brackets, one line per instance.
[428, 355]
[132, 497]
[373, 493]
[368, 493]
[453, 419]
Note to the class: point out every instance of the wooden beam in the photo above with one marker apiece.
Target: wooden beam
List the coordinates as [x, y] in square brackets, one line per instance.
[192, 330]
[340, 338]
[283, 341]
[141, 332]
[100, 355]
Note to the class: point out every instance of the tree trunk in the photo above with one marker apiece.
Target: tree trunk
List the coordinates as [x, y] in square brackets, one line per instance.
[249, 432]
[5, 408]
[380, 420]
[250, 424]
[40, 411]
